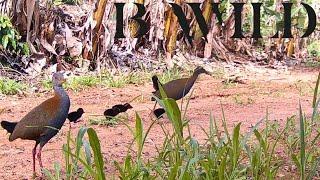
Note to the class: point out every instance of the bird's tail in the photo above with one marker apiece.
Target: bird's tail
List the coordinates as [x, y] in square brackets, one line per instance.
[9, 126]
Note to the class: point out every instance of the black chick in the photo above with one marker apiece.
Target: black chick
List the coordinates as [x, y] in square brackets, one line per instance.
[75, 115]
[159, 112]
[122, 108]
[116, 109]
[110, 113]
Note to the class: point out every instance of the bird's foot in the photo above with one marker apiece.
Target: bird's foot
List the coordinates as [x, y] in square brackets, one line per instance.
[37, 177]
[34, 176]
[160, 122]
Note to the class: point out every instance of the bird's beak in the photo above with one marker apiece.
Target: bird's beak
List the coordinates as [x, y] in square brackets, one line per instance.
[66, 75]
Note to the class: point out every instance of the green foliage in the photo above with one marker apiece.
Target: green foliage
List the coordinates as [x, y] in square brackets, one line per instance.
[120, 80]
[9, 37]
[104, 121]
[313, 48]
[170, 75]
[81, 82]
[11, 87]
[316, 92]
[311, 62]
[78, 158]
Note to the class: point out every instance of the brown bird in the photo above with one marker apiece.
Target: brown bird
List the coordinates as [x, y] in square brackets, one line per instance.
[178, 88]
[44, 121]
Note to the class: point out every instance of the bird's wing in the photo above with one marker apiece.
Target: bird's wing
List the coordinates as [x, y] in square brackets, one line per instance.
[70, 115]
[33, 125]
[174, 89]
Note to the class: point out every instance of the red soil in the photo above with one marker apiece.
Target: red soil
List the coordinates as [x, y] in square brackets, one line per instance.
[245, 103]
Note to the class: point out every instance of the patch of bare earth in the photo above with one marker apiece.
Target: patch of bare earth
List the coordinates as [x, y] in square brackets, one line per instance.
[246, 103]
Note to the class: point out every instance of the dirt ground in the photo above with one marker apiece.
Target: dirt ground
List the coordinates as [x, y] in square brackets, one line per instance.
[246, 103]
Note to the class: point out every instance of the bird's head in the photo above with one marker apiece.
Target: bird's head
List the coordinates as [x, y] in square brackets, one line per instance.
[128, 106]
[200, 70]
[155, 78]
[58, 78]
[80, 110]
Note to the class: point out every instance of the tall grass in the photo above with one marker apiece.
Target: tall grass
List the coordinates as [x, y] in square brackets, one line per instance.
[78, 154]
[11, 87]
[228, 154]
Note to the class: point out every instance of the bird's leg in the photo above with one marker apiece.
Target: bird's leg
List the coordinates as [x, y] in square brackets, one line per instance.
[39, 158]
[153, 107]
[34, 151]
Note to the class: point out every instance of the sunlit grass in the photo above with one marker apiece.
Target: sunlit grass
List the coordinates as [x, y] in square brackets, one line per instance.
[11, 87]
[118, 80]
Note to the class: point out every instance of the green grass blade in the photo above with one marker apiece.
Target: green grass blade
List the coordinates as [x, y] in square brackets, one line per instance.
[84, 163]
[139, 134]
[48, 174]
[314, 169]
[174, 115]
[162, 92]
[236, 144]
[87, 151]
[302, 144]
[225, 125]
[261, 140]
[316, 90]
[98, 159]
[67, 148]
[252, 129]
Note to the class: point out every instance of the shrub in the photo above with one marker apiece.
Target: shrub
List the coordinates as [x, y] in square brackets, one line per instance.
[9, 37]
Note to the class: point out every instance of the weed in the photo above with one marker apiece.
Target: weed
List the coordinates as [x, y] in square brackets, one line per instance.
[170, 75]
[218, 73]
[313, 48]
[312, 63]
[11, 87]
[103, 121]
[241, 100]
[78, 158]
[10, 39]
[82, 82]
[304, 88]
[112, 121]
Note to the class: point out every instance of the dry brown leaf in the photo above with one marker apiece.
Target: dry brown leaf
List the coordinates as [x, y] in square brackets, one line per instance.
[47, 46]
